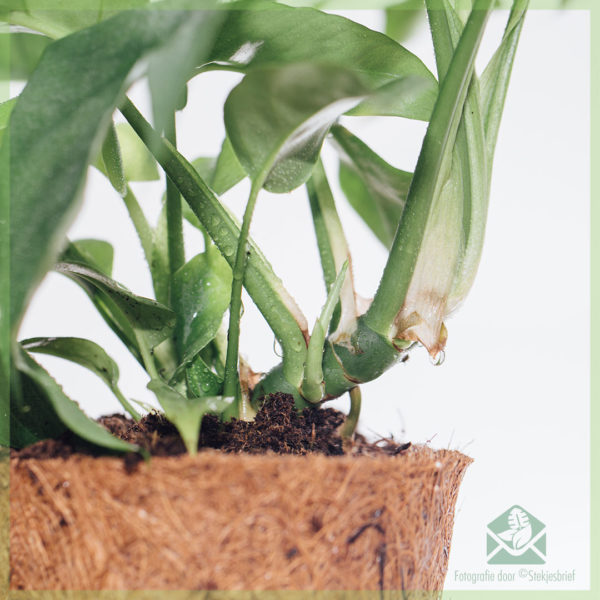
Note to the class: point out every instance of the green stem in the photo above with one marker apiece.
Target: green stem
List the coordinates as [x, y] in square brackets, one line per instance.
[313, 388]
[333, 247]
[230, 384]
[349, 426]
[430, 170]
[174, 213]
[277, 306]
[135, 415]
[140, 223]
[446, 29]
[148, 359]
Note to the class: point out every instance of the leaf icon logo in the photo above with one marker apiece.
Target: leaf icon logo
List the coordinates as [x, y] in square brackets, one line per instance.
[520, 529]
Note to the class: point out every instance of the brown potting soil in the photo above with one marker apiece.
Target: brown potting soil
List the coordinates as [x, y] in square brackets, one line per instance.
[379, 519]
[278, 428]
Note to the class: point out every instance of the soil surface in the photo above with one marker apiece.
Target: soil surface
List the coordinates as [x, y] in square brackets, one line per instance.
[278, 428]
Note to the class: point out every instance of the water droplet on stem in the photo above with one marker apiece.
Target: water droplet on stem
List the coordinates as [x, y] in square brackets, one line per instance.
[438, 359]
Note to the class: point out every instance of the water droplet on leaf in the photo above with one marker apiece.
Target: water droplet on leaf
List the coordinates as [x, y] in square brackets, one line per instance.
[438, 359]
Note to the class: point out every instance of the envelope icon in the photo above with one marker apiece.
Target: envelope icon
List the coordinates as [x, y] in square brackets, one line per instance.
[516, 537]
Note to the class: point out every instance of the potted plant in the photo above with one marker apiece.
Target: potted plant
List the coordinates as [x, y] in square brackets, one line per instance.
[376, 518]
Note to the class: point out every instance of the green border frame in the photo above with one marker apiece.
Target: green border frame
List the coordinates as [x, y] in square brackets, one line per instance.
[593, 593]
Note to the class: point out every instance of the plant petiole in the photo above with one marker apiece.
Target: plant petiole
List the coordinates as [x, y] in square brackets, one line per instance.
[349, 427]
[230, 385]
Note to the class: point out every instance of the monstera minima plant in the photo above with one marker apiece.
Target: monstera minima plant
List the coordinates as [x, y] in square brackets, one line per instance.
[302, 69]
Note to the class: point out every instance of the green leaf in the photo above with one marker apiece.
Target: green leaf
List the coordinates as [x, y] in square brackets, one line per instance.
[402, 19]
[169, 71]
[268, 34]
[4, 406]
[58, 18]
[65, 409]
[313, 387]
[25, 52]
[32, 420]
[5, 110]
[148, 319]
[280, 310]
[375, 189]
[87, 354]
[138, 163]
[113, 163]
[277, 119]
[495, 77]
[433, 171]
[186, 413]
[201, 381]
[97, 254]
[228, 171]
[220, 173]
[92, 257]
[55, 135]
[201, 294]
[333, 248]
[159, 264]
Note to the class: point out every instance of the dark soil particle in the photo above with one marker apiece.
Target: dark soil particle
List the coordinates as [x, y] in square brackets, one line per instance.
[278, 428]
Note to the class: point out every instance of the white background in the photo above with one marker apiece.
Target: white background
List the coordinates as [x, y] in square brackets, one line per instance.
[514, 390]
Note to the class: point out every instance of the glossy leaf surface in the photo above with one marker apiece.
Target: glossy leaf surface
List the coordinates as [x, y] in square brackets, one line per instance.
[186, 413]
[86, 354]
[277, 118]
[275, 35]
[67, 411]
[201, 381]
[201, 293]
[56, 135]
[145, 317]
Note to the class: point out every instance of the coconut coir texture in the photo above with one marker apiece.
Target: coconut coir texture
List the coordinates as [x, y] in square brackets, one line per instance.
[235, 522]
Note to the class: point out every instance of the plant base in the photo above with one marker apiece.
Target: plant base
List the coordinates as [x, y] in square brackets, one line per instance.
[234, 522]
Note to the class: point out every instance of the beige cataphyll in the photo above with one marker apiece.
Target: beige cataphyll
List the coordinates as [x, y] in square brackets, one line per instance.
[243, 480]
